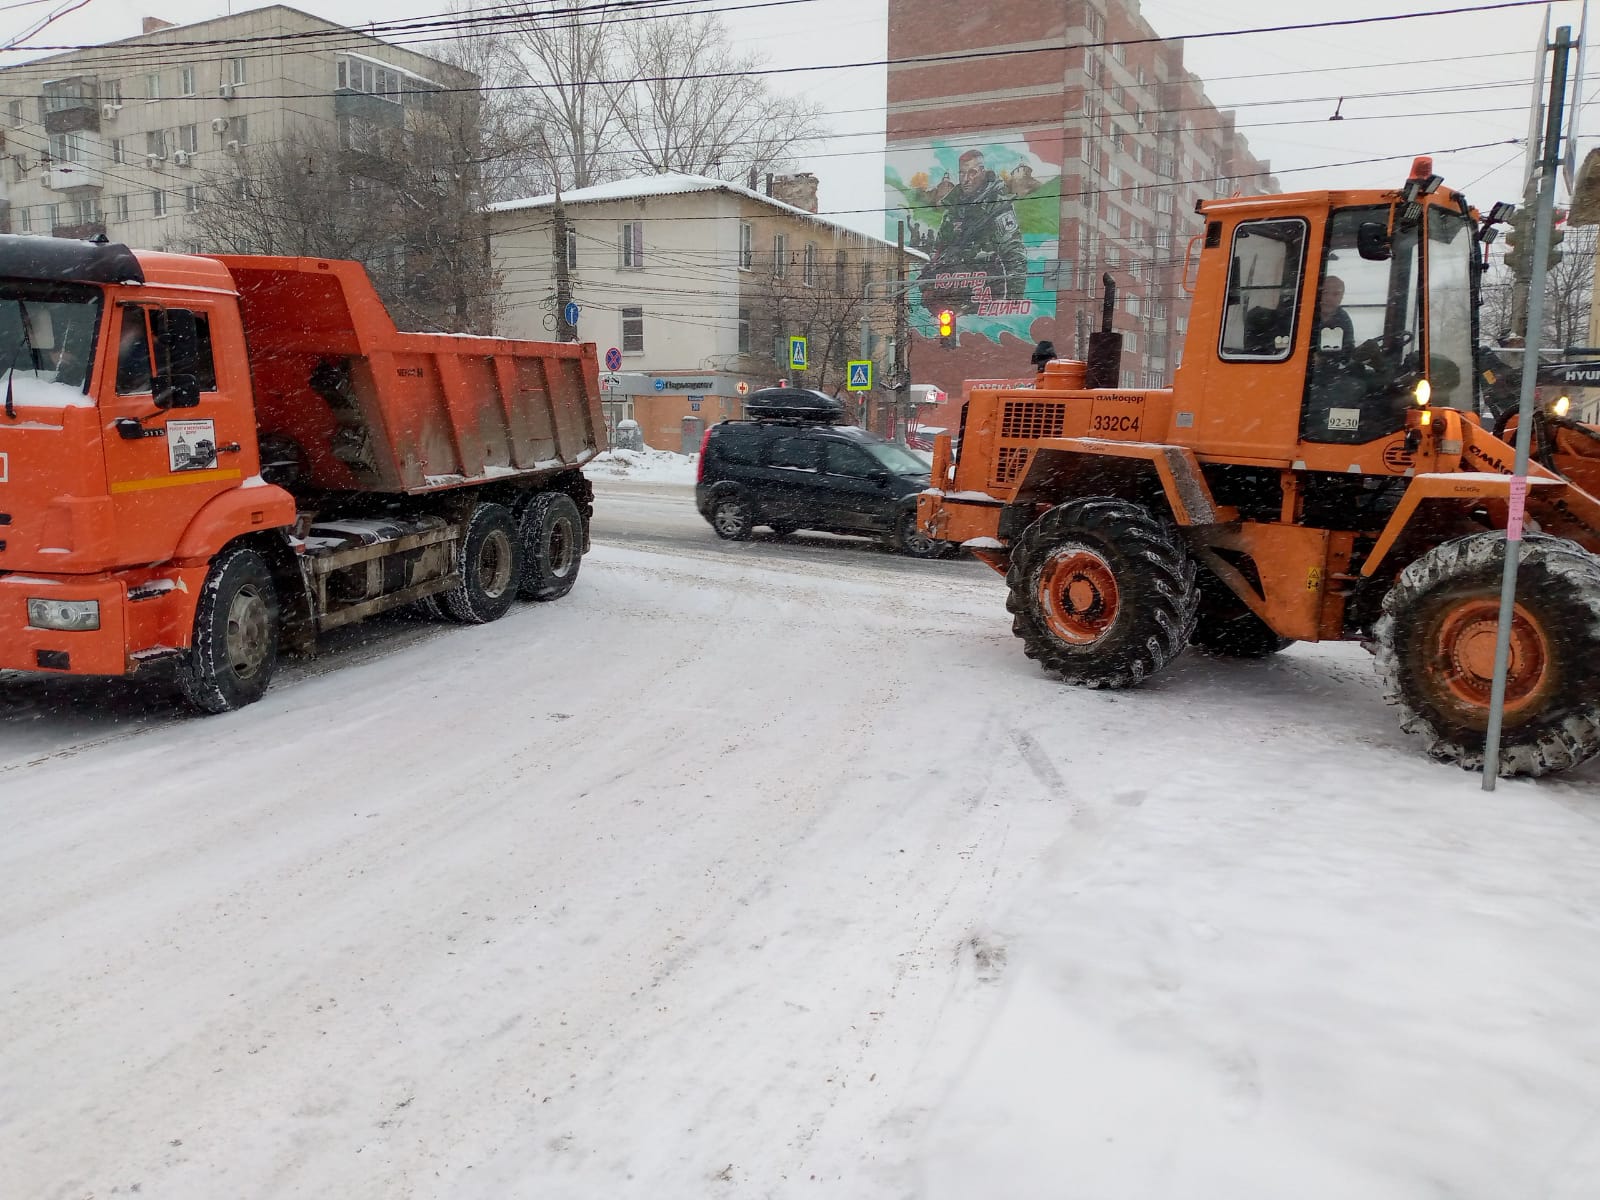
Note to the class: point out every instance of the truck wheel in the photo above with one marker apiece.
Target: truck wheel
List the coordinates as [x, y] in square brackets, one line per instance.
[1103, 593]
[489, 566]
[551, 532]
[235, 647]
[1436, 642]
[732, 517]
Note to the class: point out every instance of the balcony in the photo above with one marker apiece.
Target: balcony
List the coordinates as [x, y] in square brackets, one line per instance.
[73, 177]
[70, 105]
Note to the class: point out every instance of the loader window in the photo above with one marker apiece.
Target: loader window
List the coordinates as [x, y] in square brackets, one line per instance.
[1263, 290]
[1450, 332]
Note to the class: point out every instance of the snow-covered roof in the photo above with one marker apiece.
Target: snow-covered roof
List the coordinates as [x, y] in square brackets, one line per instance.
[675, 183]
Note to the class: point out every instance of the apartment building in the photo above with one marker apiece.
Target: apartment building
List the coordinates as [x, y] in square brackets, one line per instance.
[1053, 155]
[128, 139]
[693, 287]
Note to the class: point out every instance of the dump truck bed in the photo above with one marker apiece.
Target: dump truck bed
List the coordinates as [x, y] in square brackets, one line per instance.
[373, 409]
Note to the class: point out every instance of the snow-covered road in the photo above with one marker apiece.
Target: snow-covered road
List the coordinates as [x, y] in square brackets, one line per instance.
[761, 873]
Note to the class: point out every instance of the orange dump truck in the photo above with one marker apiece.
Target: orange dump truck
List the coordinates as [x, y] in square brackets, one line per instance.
[203, 459]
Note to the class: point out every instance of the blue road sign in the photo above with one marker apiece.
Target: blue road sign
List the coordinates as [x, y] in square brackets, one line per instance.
[860, 375]
[660, 385]
[570, 312]
[613, 359]
[797, 354]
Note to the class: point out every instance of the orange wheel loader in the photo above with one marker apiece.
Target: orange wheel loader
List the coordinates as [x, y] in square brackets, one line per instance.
[1318, 470]
[203, 458]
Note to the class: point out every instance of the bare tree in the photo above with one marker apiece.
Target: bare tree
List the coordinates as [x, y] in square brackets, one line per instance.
[1569, 290]
[693, 106]
[829, 312]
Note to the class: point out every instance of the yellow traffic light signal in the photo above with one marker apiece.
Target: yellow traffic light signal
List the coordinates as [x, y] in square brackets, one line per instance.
[947, 324]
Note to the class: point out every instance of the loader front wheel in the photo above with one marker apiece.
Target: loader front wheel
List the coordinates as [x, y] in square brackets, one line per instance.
[1102, 592]
[1436, 647]
[235, 647]
[488, 565]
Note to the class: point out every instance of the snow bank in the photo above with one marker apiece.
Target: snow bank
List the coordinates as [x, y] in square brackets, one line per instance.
[660, 465]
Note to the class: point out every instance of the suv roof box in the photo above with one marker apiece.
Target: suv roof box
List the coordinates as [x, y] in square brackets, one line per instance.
[793, 404]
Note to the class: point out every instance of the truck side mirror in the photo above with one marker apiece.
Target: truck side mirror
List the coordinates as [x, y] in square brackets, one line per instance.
[1372, 241]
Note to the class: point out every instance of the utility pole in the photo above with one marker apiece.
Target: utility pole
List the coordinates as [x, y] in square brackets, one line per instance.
[566, 331]
[1549, 164]
[902, 334]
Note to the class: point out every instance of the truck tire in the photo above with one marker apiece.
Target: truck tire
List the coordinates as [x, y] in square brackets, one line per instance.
[235, 647]
[488, 565]
[1103, 592]
[551, 532]
[732, 516]
[1436, 652]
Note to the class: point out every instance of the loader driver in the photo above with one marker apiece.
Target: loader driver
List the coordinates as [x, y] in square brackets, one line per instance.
[1335, 330]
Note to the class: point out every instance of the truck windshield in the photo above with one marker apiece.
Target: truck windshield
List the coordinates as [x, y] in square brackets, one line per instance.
[898, 460]
[1450, 340]
[47, 341]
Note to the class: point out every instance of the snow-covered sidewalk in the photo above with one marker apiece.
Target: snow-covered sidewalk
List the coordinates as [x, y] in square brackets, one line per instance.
[747, 877]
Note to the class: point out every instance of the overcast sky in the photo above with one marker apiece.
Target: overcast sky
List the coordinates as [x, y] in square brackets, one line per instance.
[1283, 86]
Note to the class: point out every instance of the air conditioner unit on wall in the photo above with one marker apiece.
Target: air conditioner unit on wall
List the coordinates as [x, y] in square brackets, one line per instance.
[109, 112]
[226, 91]
[182, 158]
[231, 147]
[154, 160]
[219, 125]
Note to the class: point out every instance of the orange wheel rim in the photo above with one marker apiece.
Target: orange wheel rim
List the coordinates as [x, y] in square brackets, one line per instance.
[1078, 595]
[1463, 660]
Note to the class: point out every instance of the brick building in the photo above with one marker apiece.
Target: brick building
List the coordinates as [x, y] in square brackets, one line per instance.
[1049, 158]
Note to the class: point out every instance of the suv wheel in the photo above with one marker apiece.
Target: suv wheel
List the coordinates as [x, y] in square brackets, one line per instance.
[908, 539]
[732, 517]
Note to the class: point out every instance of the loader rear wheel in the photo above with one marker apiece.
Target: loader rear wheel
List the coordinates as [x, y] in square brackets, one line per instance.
[488, 565]
[1103, 593]
[235, 647]
[551, 530]
[1436, 642]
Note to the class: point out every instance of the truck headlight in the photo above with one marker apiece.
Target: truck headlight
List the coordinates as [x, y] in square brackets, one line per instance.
[64, 614]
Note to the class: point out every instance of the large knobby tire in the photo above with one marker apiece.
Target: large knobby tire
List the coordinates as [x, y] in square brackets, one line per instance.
[235, 646]
[1436, 642]
[910, 540]
[732, 516]
[551, 530]
[488, 567]
[1103, 592]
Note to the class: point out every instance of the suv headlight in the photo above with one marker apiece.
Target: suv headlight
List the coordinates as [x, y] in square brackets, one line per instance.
[64, 614]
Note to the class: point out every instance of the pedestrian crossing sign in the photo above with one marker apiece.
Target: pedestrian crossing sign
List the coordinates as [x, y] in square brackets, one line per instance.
[797, 354]
[860, 375]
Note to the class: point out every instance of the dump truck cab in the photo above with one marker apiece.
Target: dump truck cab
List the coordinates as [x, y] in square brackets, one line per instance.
[126, 435]
[1319, 469]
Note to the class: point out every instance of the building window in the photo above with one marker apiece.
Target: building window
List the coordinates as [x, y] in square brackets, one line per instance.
[18, 171]
[155, 143]
[185, 81]
[630, 244]
[747, 241]
[152, 87]
[119, 151]
[572, 249]
[356, 74]
[239, 130]
[233, 69]
[780, 255]
[633, 331]
[191, 197]
[809, 275]
[15, 111]
[866, 280]
[66, 147]
[158, 202]
[88, 211]
[52, 215]
[24, 219]
[839, 268]
[111, 92]
[358, 135]
[189, 138]
[119, 205]
[744, 327]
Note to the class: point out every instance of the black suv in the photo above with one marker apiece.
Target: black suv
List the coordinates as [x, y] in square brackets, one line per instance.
[792, 468]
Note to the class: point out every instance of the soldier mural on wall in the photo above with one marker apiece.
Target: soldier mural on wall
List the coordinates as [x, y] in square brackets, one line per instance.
[988, 218]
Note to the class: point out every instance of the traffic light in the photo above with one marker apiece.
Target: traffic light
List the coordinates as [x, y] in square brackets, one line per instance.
[1519, 243]
[947, 326]
[1558, 231]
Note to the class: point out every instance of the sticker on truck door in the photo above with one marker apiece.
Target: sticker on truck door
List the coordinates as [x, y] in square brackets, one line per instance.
[192, 445]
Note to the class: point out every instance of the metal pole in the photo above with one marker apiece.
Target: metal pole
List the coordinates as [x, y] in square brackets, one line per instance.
[1550, 163]
[902, 324]
[565, 330]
